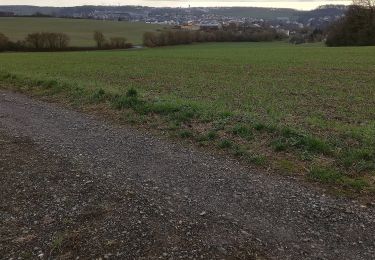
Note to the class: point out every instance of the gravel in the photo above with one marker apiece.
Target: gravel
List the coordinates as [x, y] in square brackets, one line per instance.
[75, 185]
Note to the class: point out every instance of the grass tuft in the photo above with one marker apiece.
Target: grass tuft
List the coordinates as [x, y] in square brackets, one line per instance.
[225, 144]
[325, 175]
[242, 131]
[132, 93]
[98, 95]
[185, 134]
[256, 159]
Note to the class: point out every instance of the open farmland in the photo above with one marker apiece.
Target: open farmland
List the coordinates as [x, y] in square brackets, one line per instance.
[305, 110]
[79, 30]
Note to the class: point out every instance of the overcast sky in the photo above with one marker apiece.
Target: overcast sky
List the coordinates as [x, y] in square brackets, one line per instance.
[297, 4]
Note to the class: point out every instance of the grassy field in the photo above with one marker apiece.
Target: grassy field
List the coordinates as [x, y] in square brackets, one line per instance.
[307, 110]
[80, 31]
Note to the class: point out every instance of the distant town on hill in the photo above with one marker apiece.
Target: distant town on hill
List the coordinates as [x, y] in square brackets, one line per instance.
[276, 17]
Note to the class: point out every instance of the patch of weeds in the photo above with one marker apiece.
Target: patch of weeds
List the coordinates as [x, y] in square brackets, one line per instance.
[261, 127]
[364, 166]
[48, 84]
[361, 159]
[76, 94]
[242, 131]
[325, 175]
[291, 138]
[239, 151]
[8, 76]
[98, 95]
[313, 144]
[131, 118]
[176, 112]
[257, 159]
[173, 126]
[306, 156]
[225, 115]
[184, 114]
[132, 93]
[201, 138]
[279, 145]
[211, 135]
[288, 132]
[57, 242]
[220, 124]
[185, 134]
[26, 255]
[286, 166]
[356, 184]
[225, 144]
[129, 100]
[162, 108]
[4, 75]
[121, 102]
[206, 138]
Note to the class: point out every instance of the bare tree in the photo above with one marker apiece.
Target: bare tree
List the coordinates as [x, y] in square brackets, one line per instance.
[118, 42]
[35, 40]
[365, 3]
[50, 40]
[356, 28]
[3, 42]
[99, 39]
[62, 40]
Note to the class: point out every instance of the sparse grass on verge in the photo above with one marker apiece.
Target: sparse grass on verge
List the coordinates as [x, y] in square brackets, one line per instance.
[331, 176]
[262, 102]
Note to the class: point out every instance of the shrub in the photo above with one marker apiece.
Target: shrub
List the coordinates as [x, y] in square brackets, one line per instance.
[174, 37]
[99, 39]
[132, 92]
[98, 95]
[242, 131]
[121, 102]
[117, 42]
[47, 40]
[4, 41]
[356, 28]
[225, 144]
[186, 134]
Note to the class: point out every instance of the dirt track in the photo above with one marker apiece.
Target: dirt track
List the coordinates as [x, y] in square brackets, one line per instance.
[72, 185]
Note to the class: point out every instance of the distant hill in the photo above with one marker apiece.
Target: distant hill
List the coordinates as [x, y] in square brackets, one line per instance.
[323, 11]
[250, 12]
[29, 10]
[256, 12]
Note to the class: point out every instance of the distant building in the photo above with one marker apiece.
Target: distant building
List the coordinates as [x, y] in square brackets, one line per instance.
[283, 31]
[210, 27]
[283, 19]
[6, 14]
[190, 26]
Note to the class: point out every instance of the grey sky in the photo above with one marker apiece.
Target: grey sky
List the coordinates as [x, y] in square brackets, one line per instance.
[298, 4]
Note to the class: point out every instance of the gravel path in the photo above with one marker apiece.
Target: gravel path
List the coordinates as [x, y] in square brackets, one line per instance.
[73, 185]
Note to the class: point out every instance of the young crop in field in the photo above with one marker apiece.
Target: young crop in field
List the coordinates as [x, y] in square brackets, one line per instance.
[264, 102]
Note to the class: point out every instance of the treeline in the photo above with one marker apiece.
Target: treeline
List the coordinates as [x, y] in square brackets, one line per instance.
[48, 41]
[113, 43]
[36, 41]
[306, 35]
[357, 28]
[176, 37]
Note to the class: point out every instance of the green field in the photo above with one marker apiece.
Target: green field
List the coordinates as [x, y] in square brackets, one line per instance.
[79, 30]
[299, 109]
